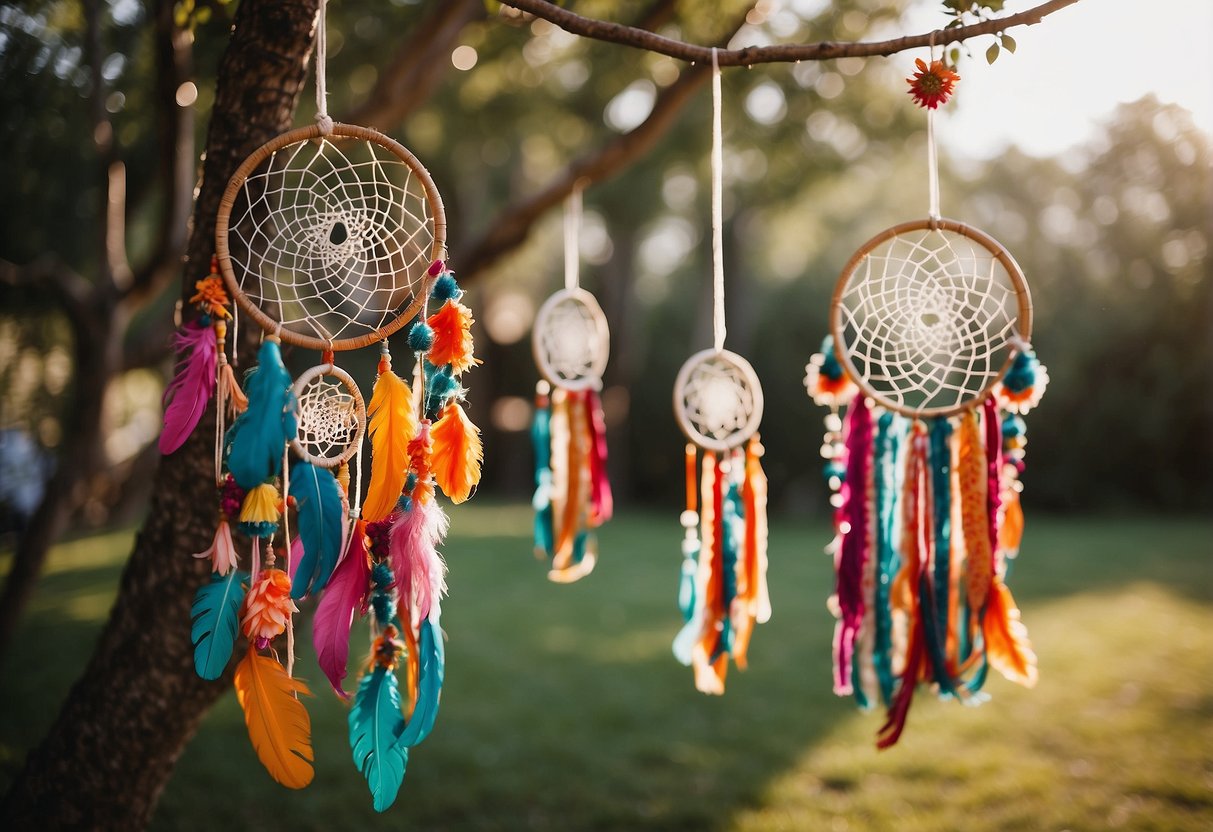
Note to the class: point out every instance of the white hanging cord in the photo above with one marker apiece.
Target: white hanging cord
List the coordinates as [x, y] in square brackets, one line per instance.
[718, 330]
[572, 238]
[322, 48]
[932, 159]
[235, 332]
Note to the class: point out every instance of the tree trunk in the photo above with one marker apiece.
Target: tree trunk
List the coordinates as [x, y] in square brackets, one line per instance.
[109, 754]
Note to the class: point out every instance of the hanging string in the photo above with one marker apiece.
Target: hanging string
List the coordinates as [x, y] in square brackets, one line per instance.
[572, 238]
[932, 159]
[322, 48]
[718, 329]
[286, 539]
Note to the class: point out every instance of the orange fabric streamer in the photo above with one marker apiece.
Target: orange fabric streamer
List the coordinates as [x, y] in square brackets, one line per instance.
[452, 325]
[277, 722]
[753, 603]
[421, 452]
[1010, 533]
[574, 496]
[710, 673]
[457, 453]
[692, 490]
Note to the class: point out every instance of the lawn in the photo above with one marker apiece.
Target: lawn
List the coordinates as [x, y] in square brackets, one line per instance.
[564, 710]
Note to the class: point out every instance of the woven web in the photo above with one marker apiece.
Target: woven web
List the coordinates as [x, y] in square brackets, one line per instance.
[569, 341]
[717, 399]
[927, 317]
[331, 237]
[329, 418]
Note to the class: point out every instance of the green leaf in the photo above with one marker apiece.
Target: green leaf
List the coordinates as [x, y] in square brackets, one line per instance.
[1008, 43]
[992, 53]
[954, 55]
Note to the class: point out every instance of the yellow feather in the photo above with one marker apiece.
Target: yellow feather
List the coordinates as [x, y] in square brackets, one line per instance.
[393, 424]
[457, 453]
[278, 724]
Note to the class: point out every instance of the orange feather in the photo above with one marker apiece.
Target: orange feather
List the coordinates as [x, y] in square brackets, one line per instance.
[452, 325]
[1011, 532]
[278, 724]
[393, 425]
[457, 453]
[1007, 646]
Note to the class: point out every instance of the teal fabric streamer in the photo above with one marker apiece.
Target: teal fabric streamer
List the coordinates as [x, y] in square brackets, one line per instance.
[256, 439]
[318, 501]
[732, 526]
[216, 614]
[375, 721]
[686, 580]
[432, 667]
[541, 440]
[889, 478]
[933, 591]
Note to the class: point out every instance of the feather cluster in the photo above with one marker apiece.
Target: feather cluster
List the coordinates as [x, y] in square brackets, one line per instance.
[452, 337]
[346, 595]
[375, 724]
[222, 551]
[420, 572]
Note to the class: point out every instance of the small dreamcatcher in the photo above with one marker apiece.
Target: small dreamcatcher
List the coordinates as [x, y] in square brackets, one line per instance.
[718, 404]
[571, 343]
[926, 372]
[331, 238]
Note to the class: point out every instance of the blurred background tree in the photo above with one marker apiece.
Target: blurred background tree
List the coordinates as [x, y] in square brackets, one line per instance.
[506, 111]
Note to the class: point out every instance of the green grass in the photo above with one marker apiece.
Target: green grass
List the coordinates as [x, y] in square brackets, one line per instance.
[564, 710]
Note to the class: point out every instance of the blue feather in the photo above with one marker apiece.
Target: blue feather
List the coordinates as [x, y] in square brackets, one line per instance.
[318, 501]
[375, 721]
[429, 683]
[256, 439]
[216, 615]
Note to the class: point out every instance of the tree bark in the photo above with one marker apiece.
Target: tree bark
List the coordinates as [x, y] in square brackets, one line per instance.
[110, 752]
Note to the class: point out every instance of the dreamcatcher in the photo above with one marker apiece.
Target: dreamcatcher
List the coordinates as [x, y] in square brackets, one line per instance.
[572, 493]
[330, 238]
[929, 361]
[718, 405]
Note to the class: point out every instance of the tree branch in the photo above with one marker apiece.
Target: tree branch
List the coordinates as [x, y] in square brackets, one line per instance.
[750, 55]
[413, 72]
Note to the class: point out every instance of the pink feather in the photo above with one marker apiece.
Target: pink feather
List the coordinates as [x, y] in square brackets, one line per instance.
[192, 387]
[345, 594]
[419, 570]
[296, 556]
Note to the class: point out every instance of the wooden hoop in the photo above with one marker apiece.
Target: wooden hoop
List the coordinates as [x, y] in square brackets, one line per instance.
[692, 433]
[341, 375]
[1023, 298]
[302, 134]
[601, 335]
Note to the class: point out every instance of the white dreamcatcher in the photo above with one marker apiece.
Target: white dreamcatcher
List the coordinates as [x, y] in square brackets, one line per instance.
[718, 404]
[332, 238]
[571, 343]
[929, 356]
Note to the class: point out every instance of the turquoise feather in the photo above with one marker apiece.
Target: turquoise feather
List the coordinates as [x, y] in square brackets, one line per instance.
[318, 501]
[429, 683]
[216, 615]
[375, 721]
[258, 436]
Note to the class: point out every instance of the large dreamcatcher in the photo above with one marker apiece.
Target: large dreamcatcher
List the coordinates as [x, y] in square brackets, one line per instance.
[571, 343]
[330, 238]
[718, 404]
[926, 373]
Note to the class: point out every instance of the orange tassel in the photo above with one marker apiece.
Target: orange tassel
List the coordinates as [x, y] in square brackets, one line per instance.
[278, 724]
[457, 453]
[268, 605]
[393, 424]
[575, 495]
[452, 325]
[412, 671]
[1007, 646]
[1011, 532]
[421, 451]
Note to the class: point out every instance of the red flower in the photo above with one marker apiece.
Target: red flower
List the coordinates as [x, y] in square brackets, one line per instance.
[931, 85]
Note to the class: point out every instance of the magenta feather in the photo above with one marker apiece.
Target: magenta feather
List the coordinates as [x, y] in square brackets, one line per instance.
[345, 594]
[419, 569]
[191, 389]
[296, 556]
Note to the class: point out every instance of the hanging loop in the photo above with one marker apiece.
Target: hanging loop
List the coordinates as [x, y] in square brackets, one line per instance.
[718, 324]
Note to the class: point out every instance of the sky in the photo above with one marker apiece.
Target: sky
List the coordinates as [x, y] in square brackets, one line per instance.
[1072, 69]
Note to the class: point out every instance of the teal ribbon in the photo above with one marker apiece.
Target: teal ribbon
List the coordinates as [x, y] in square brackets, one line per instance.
[889, 481]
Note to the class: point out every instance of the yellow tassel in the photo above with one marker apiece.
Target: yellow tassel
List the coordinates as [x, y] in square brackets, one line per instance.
[457, 453]
[393, 425]
[278, 724]
[261, 505]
